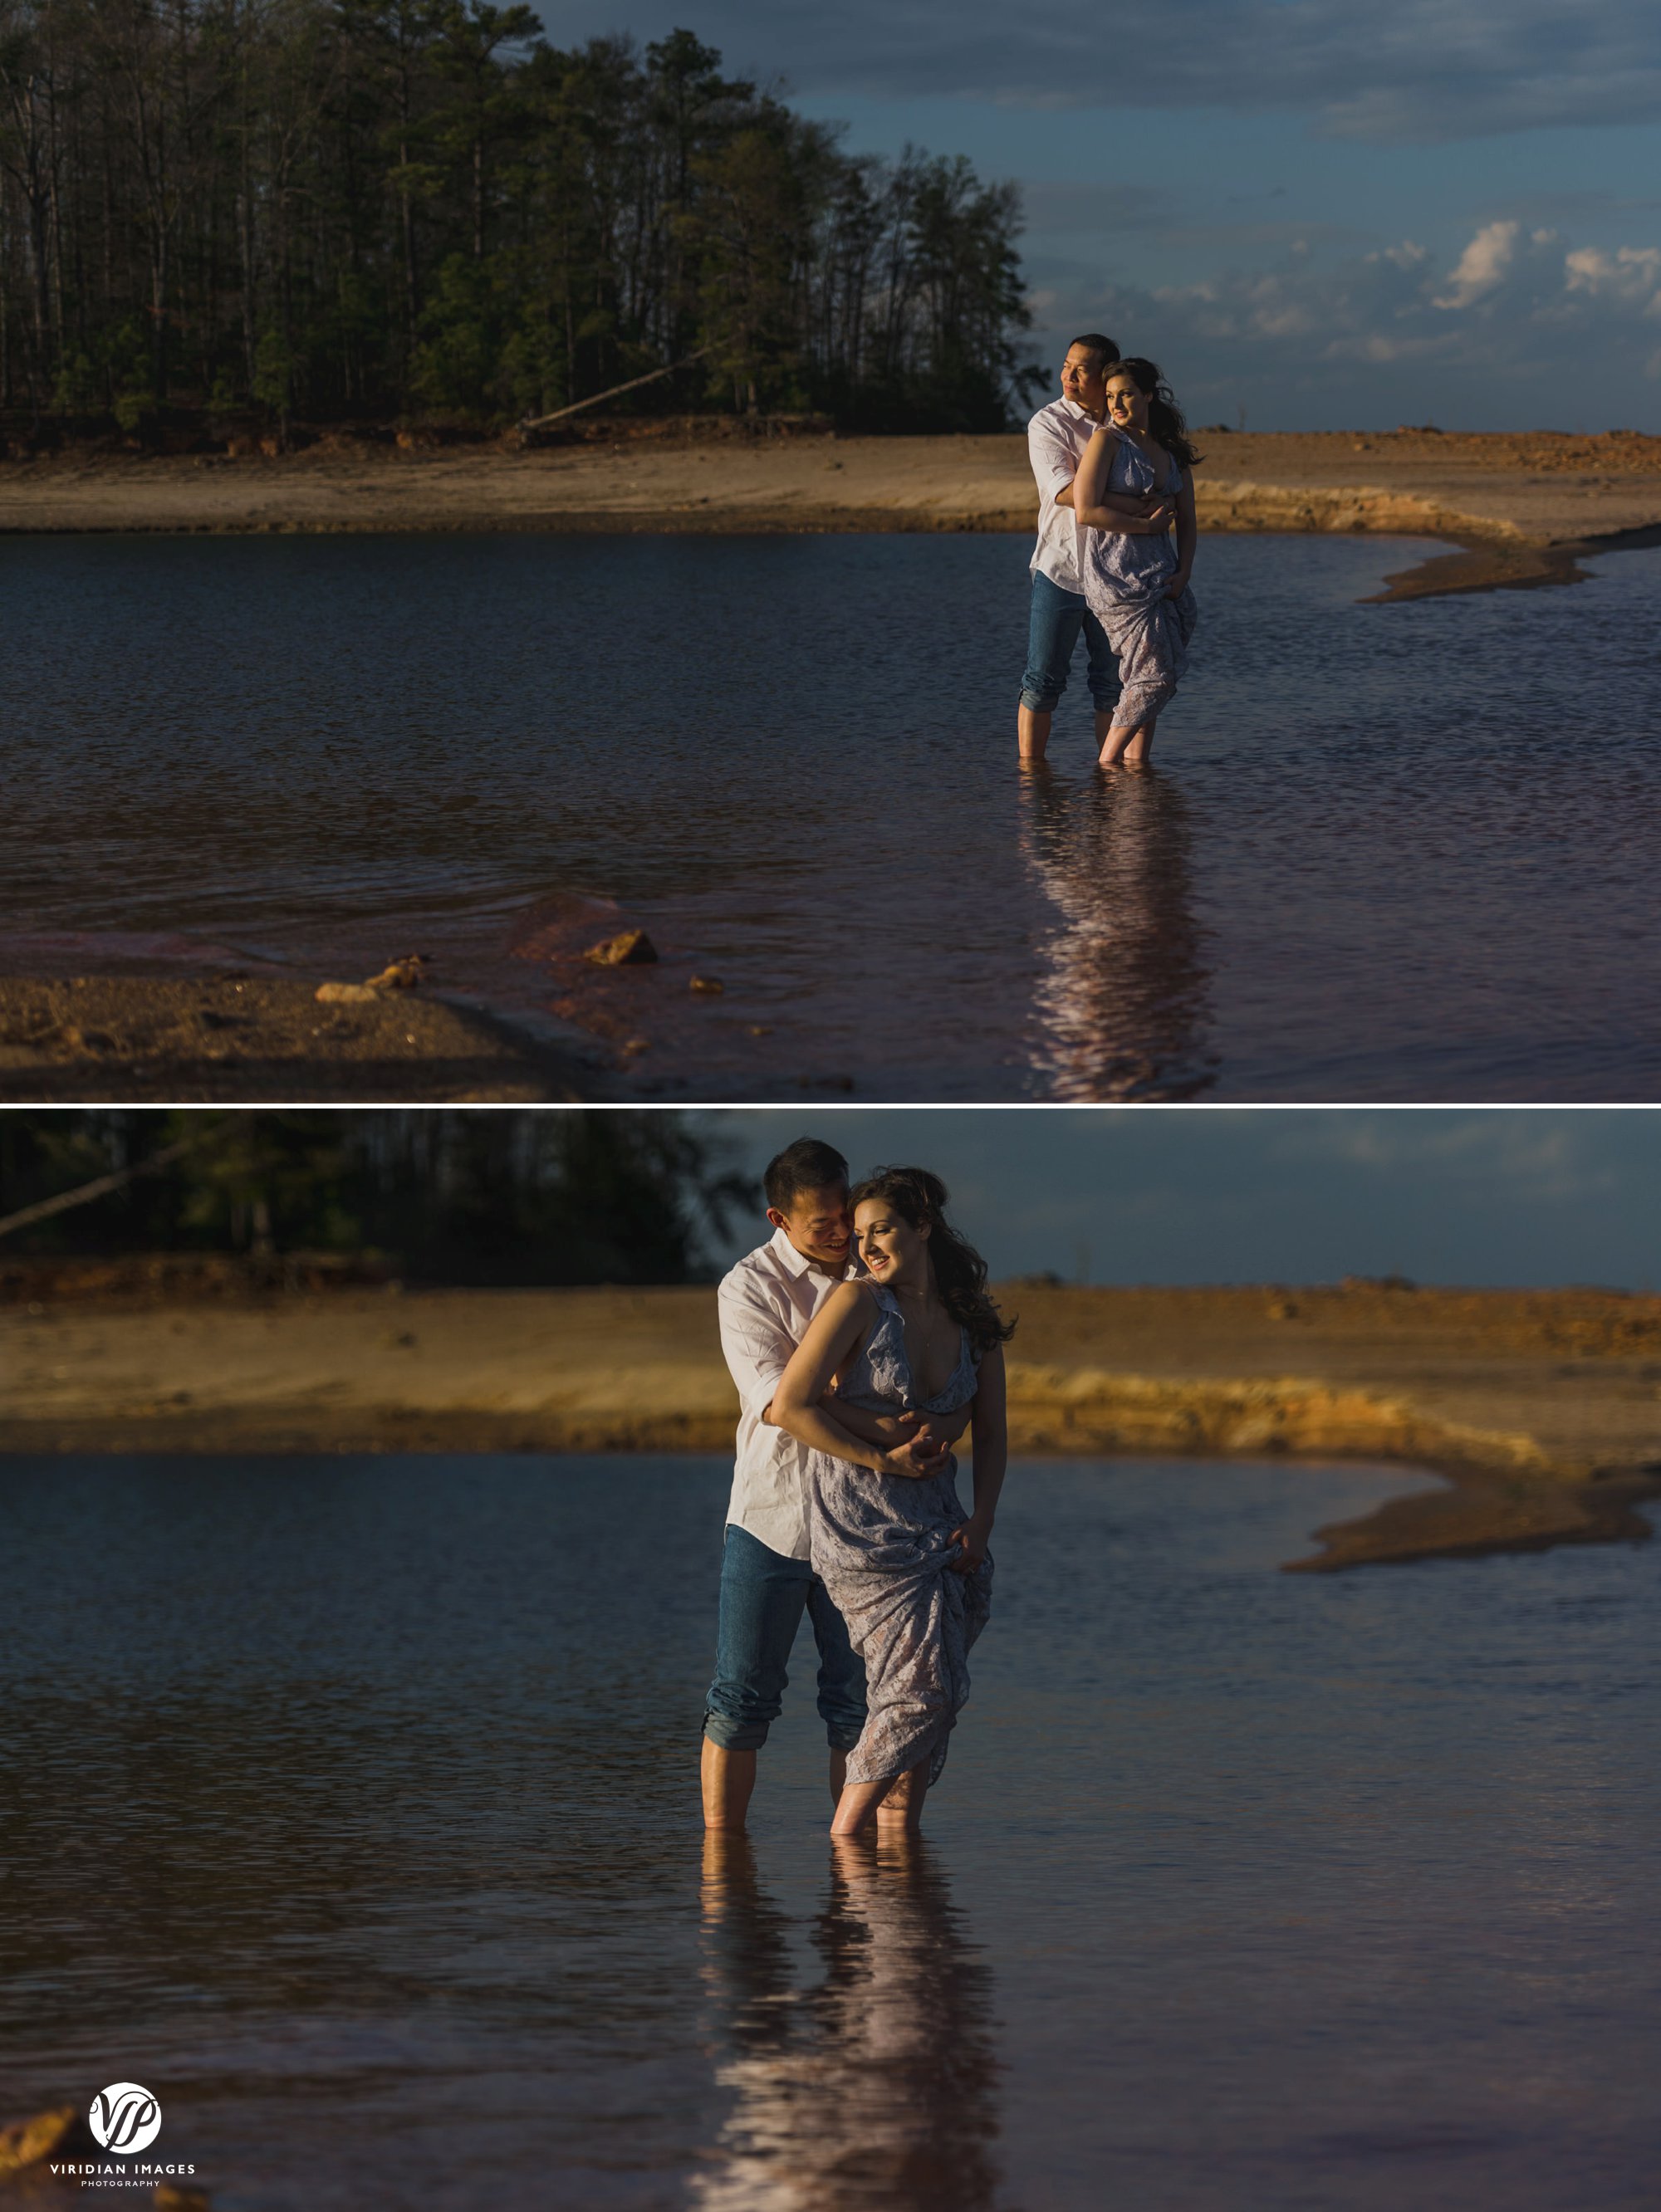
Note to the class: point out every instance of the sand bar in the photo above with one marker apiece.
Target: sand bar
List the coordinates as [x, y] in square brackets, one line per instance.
[1521, 506]
[1541, 1409]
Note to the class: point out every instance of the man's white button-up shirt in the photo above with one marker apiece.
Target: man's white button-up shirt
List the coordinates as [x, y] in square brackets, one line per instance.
[1055, 440]
[765, 1304]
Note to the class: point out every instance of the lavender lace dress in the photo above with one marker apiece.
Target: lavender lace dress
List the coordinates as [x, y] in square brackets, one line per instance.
[880, 1545]
[1125, 579]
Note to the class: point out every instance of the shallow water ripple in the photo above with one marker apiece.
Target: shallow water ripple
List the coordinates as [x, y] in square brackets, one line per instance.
[349, 1805]
[1389, 854]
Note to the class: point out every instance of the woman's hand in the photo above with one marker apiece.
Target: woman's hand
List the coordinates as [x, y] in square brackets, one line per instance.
[1177, 585]
[970, 1540]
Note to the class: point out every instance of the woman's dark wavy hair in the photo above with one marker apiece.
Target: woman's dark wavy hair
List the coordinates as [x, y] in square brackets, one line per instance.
[919, 1197]
[1164, 416]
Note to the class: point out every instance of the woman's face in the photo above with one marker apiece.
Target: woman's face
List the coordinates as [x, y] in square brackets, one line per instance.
[892, 1251]
[1127, 408]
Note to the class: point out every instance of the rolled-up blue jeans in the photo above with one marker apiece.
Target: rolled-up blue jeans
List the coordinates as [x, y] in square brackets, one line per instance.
[1053, 628]
[764, 1595]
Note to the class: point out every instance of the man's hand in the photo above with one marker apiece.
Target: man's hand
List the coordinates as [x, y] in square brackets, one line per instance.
[921, 1451]
[905, 1428]
[940, 1430]
[1140, 506]
[1134, 522]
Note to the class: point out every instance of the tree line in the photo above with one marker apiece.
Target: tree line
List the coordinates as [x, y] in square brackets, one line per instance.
[345, 210]
[448, 1197]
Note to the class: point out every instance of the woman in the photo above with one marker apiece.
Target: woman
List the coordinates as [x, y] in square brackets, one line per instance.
[905, 1566]
[1134, 582]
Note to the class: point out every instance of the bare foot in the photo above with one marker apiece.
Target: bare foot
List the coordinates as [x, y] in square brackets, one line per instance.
[1128, 746]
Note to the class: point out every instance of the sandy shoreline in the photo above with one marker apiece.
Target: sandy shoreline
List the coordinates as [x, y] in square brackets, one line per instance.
[1522, 506]
[1541, 1409]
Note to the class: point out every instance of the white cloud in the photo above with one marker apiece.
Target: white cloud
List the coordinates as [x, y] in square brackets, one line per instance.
[1397, 334]
[1481, 266]
[1631, 275]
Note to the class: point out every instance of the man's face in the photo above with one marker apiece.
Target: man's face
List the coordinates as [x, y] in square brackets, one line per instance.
[818, 1224]
[1082, 376]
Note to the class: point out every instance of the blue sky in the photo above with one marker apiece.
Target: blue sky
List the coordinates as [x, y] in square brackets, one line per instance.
[1148, 1195]
[1329, 217]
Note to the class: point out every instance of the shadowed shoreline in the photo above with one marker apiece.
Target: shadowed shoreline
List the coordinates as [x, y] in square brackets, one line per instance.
[237, 1036]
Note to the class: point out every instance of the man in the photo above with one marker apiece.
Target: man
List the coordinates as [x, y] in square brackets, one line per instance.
[1055, 440]
[765, 1304]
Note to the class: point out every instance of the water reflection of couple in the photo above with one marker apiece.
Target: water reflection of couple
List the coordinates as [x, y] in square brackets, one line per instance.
[863, 1344]
[1120, 1006]
[1114, 465]
[873, 2086]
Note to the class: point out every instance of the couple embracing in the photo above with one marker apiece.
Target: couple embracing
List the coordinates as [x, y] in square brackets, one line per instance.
[863, 1344]
[1114, 463]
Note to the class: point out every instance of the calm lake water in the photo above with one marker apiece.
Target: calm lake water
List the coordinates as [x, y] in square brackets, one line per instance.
[349, 1806]
[1392, 853]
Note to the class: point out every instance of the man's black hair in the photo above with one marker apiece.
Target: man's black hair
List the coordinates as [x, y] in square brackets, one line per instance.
[805, 1165]
[1103, 349]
